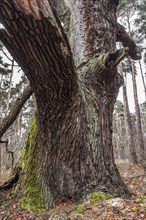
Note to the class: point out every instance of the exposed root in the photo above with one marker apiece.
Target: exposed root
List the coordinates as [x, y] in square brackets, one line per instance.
[8, 184]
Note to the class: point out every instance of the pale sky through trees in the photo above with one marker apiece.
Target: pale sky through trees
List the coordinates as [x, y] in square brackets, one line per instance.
[141, 96]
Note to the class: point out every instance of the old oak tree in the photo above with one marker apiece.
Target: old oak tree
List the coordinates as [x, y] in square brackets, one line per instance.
[66, 48]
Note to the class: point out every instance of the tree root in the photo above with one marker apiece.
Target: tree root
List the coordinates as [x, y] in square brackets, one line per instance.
[8, 184]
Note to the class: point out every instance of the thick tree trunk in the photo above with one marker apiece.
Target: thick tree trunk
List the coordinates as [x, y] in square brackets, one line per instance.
[69, 150]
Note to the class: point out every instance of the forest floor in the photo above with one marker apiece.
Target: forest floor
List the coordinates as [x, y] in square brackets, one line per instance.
[111, 209]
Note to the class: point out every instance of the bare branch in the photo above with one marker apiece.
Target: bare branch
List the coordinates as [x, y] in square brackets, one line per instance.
[11, 117]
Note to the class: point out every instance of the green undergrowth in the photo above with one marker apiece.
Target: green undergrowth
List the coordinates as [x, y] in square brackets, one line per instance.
[98, 197]
[95, 199]
[80, 209]
[142, 199]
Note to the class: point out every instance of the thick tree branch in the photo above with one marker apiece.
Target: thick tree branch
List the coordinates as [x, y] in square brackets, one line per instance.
[28, 37]
[11, 117]
[127, 41]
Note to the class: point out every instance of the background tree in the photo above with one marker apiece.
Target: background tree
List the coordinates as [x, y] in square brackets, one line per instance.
[131, 154]
[12, 124]
[69, 150]
[119, 131]
[126, 12]
[141, 18]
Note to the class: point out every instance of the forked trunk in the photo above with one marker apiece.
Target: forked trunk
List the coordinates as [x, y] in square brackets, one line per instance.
[69, 150]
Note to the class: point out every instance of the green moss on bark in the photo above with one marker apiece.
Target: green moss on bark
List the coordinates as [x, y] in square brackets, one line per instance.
[32, 198]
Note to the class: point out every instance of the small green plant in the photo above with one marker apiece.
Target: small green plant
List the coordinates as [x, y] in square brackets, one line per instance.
[142, 199]
[98, 197]
[80, 209]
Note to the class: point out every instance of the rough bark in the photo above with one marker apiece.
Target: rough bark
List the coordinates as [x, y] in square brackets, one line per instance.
[11, 117]
[87, 36]
[69, 150]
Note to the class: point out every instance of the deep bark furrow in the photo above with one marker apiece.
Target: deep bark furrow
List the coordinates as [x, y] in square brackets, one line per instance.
[91, 40]
[58, 49]
[69, 134]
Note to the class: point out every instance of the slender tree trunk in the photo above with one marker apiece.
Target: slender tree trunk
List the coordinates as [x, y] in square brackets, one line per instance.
[142, 76]
[1, 80]
[10, 87]
[131, 142]
[122, 152]
[69, 150]
[0, 99]
[138, 117]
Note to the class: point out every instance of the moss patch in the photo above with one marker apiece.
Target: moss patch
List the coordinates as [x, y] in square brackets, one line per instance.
[31, 188]
[98, 197]
[99, 63]
[80, 209]
[28, 148]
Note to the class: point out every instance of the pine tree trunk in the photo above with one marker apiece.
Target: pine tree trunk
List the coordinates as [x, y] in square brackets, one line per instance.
[69, 150]
[121, 145]
[142, 76]
[138, 116]
[132, 150]
[9, 90]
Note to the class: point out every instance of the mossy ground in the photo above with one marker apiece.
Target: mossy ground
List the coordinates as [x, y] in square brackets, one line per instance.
[80, 209]
[98, 197]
